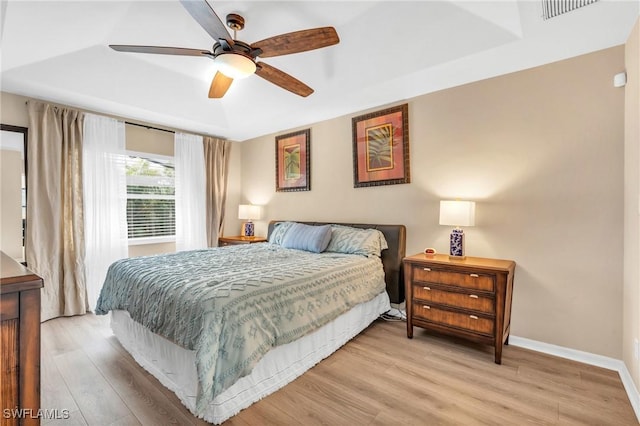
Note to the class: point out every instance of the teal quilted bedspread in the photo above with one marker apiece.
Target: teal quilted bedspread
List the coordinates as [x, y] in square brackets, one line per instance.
[232, 305]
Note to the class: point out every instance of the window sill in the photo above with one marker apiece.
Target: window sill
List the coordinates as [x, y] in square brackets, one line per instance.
[152, 240]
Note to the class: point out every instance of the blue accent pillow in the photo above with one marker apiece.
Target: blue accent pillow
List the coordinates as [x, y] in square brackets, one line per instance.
[366, 242]
[307, 237]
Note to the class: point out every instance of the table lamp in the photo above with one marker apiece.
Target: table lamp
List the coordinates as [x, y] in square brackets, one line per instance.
[457, 213]
[249, 212]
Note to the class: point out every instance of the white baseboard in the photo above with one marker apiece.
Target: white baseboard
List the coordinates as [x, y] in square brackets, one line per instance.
[587, 358]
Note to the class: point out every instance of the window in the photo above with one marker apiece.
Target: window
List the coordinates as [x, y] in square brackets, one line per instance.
[13, 191]
[150, 198]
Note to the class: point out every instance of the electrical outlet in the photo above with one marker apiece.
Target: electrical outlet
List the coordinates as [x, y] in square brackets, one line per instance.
[635, 348]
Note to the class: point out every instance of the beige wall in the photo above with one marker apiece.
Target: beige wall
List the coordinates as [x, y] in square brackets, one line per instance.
[142, 139]
[631, 300]
[13, 111]
[540, 151]
[10, 206]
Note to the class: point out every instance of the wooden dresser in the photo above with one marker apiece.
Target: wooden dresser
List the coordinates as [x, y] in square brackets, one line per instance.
[468, 298]
[20, 342]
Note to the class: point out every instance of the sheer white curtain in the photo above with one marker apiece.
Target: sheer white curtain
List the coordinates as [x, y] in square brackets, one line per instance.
[105, 199]
[191, 232]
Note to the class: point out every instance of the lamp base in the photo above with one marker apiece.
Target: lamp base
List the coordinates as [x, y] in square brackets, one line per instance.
[247, 229]
[456, 245]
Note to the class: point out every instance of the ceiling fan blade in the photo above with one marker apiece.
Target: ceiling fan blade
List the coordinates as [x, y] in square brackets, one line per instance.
[161, 50]
[207, 18]
[219, 85]
[282, 79]
[297, 41]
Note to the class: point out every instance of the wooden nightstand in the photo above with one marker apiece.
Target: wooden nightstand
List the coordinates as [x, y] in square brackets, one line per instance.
[230, 241]
[468, 298]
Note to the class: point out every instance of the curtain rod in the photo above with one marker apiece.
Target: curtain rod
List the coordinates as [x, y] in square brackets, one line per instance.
[170, 131]
[149, 127]
[136, 124]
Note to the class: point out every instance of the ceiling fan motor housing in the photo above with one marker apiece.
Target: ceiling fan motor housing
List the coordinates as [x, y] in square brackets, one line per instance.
[239, 47]
[234, 61]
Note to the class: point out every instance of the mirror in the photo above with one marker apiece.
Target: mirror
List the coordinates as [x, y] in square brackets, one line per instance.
[13, 190]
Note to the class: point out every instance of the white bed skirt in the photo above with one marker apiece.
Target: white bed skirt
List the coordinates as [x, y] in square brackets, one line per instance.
[175, 366]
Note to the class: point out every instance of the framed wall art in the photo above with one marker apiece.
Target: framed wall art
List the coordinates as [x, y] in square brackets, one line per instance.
[381, 147]
[293, 165]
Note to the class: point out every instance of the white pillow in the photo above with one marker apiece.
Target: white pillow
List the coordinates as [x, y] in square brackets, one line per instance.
[366, 242]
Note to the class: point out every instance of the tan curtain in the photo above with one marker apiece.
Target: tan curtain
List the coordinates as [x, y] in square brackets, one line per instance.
[55, 225]
[216, 160]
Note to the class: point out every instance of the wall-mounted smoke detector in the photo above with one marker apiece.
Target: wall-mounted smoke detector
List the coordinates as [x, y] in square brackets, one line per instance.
[553, 8]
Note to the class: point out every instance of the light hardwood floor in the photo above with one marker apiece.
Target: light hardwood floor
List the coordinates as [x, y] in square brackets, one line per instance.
[378, 378]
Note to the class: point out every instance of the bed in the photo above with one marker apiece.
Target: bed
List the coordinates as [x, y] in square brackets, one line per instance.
[270, 311]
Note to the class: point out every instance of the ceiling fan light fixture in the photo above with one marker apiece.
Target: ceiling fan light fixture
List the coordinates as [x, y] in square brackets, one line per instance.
[235, 65]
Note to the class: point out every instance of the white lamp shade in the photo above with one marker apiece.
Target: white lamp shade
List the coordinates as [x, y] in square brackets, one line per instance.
[457, 213]
[249, 212]
[235, 65]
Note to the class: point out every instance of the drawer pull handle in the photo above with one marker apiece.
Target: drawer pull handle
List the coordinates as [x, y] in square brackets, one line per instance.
[426, 307]
[426, 269]
[473, 296]
[474, 275]
[473, 317]
[426, 288]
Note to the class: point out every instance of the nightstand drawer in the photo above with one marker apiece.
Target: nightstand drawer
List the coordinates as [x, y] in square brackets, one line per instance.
[231, 241]
[467, 280]
[474, 323]
[469, 300]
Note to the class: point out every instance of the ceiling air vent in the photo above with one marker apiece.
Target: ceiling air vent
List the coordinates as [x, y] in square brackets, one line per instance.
[552, 8]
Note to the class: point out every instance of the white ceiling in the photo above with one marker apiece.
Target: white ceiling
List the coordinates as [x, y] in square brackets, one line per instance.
[388, 51]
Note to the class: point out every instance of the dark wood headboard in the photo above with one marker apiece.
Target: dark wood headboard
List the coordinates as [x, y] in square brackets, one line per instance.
[391, 257]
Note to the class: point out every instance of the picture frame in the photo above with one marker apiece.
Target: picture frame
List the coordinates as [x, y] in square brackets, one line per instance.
[381, 147]
[293, 162]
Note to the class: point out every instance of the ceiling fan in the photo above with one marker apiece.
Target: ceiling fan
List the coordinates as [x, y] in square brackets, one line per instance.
[237, 59]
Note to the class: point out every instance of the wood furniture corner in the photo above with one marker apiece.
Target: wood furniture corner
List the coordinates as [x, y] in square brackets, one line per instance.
[20, 342]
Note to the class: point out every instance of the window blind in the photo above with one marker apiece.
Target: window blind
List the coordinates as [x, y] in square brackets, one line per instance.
[150, 197]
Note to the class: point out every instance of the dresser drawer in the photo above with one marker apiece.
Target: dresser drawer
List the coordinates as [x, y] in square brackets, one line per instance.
[9, 306]
[468, 300]
[474, 323]
[475, 281]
